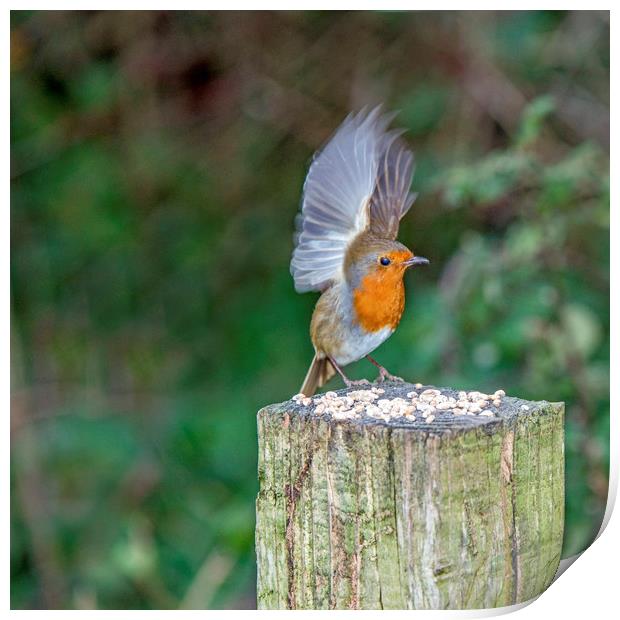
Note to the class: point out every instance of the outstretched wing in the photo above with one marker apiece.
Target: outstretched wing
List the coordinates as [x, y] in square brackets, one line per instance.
[391, 198]
[353, 183]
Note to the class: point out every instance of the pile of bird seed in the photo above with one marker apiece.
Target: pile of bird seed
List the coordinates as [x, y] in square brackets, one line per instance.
[419, 404]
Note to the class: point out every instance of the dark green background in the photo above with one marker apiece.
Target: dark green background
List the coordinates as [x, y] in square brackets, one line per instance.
[157, 163]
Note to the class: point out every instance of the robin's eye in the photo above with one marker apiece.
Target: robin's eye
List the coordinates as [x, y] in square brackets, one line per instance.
[385, 261]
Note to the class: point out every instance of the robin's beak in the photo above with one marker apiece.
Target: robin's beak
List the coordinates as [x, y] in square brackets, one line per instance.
[416, 260]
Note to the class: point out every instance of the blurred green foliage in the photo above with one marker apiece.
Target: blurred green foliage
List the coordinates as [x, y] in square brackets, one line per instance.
[157, 164]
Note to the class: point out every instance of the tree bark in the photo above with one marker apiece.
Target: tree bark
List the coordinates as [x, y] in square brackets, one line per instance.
[458, 513]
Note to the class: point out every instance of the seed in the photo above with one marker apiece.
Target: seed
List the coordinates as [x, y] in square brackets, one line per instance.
[459, 411]
[497, 402]
[366, 395]
[499, 393]
[430, 418]
[474, 408]
[487, 413]
[306, 402]
[525, 408]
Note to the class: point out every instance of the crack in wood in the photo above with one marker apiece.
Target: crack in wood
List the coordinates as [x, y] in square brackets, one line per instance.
[370, 515]
[292, 493]
[507, 468]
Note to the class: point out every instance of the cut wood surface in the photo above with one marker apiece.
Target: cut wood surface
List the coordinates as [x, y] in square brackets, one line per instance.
[387, 512]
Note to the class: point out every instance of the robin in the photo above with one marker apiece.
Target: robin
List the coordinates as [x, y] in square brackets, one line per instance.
[356, 192]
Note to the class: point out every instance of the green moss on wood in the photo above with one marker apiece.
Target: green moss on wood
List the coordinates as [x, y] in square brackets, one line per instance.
[461, 513]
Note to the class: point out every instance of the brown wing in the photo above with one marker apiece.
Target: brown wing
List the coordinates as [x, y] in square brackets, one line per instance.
[360, 179]
[335, 201]
[391, 197]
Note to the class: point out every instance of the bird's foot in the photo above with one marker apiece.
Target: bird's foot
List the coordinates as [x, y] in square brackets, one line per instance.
[344, 377]
[384, 375]
[357, 382]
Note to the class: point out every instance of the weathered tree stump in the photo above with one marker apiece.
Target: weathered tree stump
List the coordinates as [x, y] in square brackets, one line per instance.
[459, 512]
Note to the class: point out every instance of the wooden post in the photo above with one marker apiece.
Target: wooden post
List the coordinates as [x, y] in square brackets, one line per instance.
[383, 512]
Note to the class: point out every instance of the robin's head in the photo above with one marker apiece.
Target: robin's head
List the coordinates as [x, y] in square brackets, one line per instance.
[380, 259]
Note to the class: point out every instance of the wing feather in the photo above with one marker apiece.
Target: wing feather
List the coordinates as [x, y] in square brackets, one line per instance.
[391, 198]
[359, 179]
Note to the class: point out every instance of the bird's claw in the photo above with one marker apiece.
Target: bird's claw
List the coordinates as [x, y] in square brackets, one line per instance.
[357, 382]
[384, 375]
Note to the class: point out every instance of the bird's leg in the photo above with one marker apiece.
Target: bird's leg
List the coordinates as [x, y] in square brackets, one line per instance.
[348, 382]
[383, 373]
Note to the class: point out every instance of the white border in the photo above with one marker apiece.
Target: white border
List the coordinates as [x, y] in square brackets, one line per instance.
[588, 588]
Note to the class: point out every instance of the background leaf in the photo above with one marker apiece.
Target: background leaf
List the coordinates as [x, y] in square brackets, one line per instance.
[157, 166]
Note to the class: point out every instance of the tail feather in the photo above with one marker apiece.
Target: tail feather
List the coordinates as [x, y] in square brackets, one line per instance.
[320, 372]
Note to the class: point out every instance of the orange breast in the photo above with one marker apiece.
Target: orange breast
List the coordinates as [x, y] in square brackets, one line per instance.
[379, 300]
